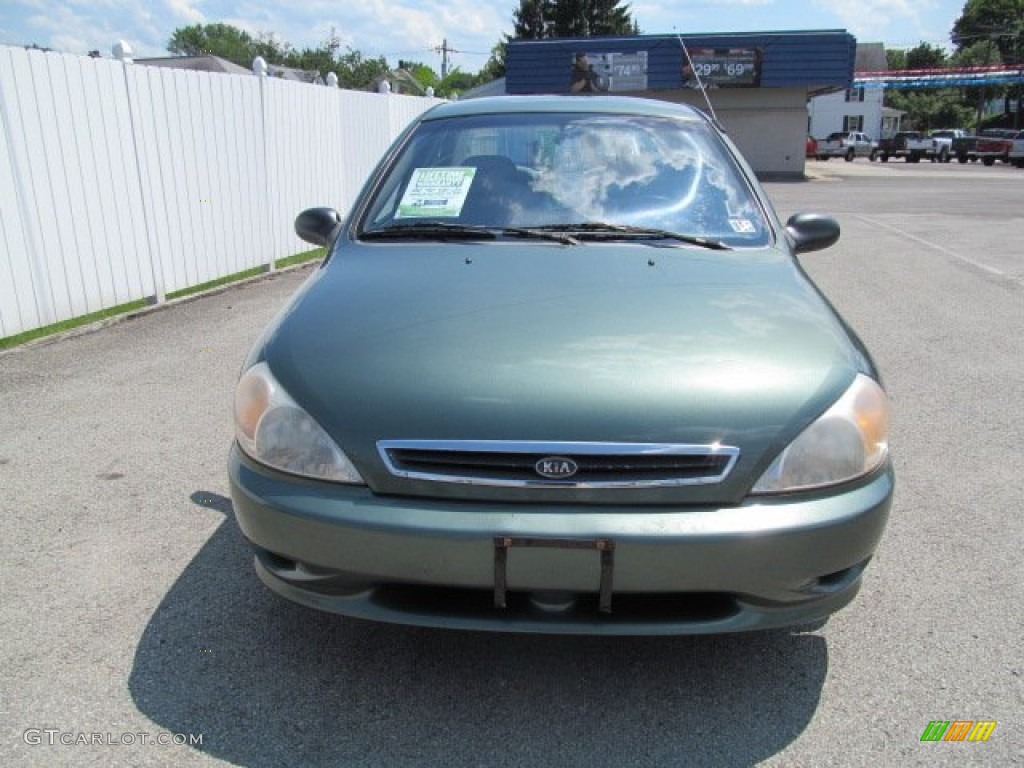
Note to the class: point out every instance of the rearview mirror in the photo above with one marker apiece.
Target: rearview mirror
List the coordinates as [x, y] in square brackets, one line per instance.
[812, 231]
[318, 226]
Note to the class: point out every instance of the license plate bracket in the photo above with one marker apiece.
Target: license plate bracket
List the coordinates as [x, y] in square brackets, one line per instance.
[502, 545]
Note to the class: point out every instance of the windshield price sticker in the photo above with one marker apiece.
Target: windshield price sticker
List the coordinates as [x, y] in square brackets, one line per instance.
[436, 192]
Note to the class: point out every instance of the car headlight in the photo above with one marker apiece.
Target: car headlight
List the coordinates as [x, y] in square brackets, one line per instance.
[849, 440]
[274, 430]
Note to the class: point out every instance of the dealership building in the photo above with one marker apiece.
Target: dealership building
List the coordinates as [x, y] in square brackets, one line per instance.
[758, 83]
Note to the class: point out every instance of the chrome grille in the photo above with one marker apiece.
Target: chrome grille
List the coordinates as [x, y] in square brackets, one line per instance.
[597, 465]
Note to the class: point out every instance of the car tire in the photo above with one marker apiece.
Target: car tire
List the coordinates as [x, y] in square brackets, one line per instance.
[849, 156]
[988, 161]
[1018, 162]
[884, 158]
[873, 156]
[962, 159]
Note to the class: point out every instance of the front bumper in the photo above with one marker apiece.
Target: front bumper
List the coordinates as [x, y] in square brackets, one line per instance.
[771, 562]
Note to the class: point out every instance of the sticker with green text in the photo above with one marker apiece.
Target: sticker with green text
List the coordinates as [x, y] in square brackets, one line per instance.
[436, 192]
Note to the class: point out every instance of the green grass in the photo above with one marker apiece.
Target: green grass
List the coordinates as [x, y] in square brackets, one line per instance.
[66, 325]
[300, 258]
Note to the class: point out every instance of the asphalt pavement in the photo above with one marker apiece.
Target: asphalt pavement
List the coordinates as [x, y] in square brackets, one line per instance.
[129, 609]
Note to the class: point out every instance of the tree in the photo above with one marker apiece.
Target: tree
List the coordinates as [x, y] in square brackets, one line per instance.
[929, 108]
[322, 59]
[589, 18]
[979, 54]
[533, 19]
[925, 56]
[357, 72]
[926, 108]
[896, 58]
[495, 66]
[424, 74]
[457, 82]
[222, 40]
[542, 19]
[1002, 23]
[354, 70]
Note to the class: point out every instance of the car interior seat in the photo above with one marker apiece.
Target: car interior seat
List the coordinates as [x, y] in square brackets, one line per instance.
[496, 193]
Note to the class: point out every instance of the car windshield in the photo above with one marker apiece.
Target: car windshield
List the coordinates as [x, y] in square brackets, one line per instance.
[598, 176]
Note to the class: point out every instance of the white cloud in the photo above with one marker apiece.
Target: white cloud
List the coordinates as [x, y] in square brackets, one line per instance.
[411, 29]
[395, 29]
[897, 21]
[185, 10]
[71, 44]
[78, 27]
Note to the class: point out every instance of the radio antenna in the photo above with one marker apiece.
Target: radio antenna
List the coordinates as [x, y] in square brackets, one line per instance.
[700, 81]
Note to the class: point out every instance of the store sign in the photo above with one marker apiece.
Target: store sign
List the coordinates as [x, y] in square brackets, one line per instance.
[722, 68]
[609, 72]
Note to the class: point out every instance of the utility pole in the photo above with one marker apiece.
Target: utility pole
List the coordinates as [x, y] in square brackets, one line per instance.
[444, 50]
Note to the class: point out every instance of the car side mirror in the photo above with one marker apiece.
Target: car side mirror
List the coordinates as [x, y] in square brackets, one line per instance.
[812, 231]
[318, 226]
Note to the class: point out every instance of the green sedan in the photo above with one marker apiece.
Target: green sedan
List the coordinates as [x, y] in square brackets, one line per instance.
[561, 372]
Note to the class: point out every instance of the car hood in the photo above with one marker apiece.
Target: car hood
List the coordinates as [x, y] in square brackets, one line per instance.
[536, 342]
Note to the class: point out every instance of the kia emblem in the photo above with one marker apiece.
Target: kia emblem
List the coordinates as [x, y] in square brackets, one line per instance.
[556, 467]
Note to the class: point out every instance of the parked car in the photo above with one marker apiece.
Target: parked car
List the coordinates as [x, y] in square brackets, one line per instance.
[812, 146]
[942, 141]
[994, 144]
[965, 148]
[561, 372]
[847, 145]
[1016, 154]
[912, 146]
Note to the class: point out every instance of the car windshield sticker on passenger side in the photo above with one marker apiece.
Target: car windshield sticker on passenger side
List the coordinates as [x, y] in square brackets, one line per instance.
[742, 226]
[435, 192]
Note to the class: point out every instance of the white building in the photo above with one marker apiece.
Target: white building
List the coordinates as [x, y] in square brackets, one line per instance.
[855, 109]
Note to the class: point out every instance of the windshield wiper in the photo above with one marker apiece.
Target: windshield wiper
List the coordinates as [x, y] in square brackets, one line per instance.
[605, 230]
[444, 229]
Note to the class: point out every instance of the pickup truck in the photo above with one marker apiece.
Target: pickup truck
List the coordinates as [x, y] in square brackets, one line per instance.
[965, 148]
[910, 145]
[1017, 151]
[994, 144]
[945, 139]
[847, 145]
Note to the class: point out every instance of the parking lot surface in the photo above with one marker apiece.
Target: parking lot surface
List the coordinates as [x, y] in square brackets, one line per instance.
[130, 609]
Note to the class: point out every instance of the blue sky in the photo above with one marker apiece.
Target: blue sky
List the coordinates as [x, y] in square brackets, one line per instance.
[410, 29]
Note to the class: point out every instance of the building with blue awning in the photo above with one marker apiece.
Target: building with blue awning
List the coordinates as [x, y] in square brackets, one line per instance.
[758, 84]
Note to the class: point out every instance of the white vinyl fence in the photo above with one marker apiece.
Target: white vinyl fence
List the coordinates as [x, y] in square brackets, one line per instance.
[120, 181]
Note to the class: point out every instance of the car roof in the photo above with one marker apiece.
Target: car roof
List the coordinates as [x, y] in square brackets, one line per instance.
[619, 105]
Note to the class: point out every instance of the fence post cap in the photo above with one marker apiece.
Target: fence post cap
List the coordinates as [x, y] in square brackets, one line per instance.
[122, 51]
[332, 80]
[259, 67]
[430, 92]
[384, 87]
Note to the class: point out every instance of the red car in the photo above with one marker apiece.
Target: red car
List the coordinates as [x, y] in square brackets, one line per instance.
[812, 146]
